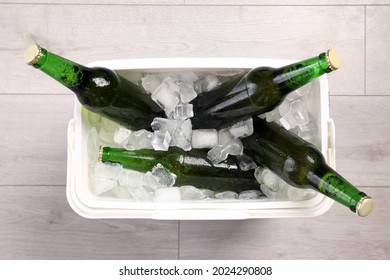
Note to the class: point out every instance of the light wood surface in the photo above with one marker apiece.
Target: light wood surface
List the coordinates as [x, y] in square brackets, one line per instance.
[36, 220]
[334, 235]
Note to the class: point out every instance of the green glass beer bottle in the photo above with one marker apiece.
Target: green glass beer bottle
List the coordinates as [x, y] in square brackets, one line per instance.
[258, 91]
[302, 165]
[191, 167]
[98, 89]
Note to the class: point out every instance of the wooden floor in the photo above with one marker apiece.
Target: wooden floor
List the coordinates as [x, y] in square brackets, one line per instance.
[36, 219]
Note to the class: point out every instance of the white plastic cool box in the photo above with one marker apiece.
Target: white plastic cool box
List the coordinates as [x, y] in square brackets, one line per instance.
[88, 205]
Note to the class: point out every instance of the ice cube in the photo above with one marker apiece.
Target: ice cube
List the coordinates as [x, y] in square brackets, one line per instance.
[93, 146]
[180, 131]
[204, 138]
[208, 83]
[270, 179]
[163, 175]
[106, 130]
[100, 186]
[242, 128]
[191, 193]
[208, 194]
[296, 116]
[211, 82]
[106, 171]
[188, 77]
[304, 91]
[220, 152]
[308, 132]
[121, 135]
[274, 187]
[173, 84]
[288, 121]
[171, 194]
[271, 116]
[150, 82]
[121, 192]
[224, 136]
[250, 194]
[130, 178]
[186, 92]
[284, 107]
[298, 110]
[268, 192]
[226, 195]
[179, 139]
[183, 111]
[104, 177]
[259, 175]
[150, 182]
[161, 140]
[140, 139]
[186, 127]
[140, 193]
[105, 136]
[280, 192]
[171, 75]
[296, 194]
[245, 162]
[166, 97]
[163, 124]
[182, 135]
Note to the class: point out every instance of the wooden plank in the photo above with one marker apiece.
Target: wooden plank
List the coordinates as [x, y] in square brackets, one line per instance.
[205, 2]
[362, 138]
[337, 234]
[288, 2]
[99, 2]
[378, 45]
[37, 223]
[34, 138]
[101, 32]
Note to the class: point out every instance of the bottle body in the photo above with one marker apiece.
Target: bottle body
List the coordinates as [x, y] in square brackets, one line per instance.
[191, 167]
[302, 165]
[259, 91]
[99, 89]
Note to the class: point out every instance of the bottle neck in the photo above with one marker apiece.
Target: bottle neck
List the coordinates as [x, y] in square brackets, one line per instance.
[296, 75]
[140, 160]
[64, 71]
[333, 185]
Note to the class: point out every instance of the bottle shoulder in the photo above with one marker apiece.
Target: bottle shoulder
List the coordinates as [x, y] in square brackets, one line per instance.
[102, 76]
[98, 87]
[260, 74]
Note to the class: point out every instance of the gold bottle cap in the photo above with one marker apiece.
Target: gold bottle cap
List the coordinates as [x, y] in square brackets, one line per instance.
[365, 206]
[333, 60]
[100, 154]
[32, 54]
